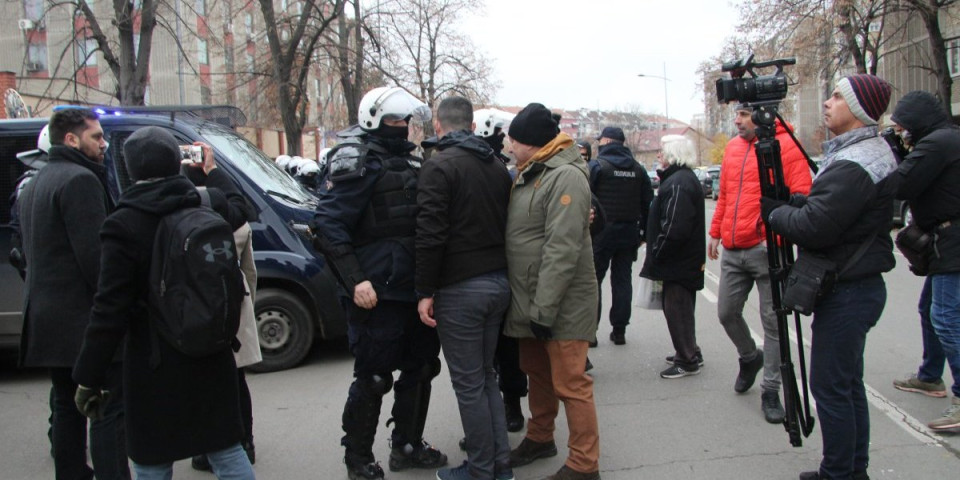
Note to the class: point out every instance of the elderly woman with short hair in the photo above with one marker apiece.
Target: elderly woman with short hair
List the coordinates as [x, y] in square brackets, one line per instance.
[676, 248]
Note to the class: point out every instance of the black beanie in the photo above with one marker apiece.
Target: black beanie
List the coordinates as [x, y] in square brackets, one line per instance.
[534, 125]
[151, 152]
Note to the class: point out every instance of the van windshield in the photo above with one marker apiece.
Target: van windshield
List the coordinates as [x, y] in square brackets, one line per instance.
[256, 165]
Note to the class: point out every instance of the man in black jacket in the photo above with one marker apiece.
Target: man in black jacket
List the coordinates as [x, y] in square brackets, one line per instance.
[846, 212]
[929, 179]
[461, 279]
[176, 405]
[623, 189]
[61, 211]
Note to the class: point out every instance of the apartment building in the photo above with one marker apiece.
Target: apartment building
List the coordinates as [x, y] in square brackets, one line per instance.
[203, 52]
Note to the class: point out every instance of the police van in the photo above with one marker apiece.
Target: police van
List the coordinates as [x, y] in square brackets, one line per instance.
[296, 299]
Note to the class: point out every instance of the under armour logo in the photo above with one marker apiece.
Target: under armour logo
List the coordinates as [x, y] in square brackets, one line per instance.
[225, 250]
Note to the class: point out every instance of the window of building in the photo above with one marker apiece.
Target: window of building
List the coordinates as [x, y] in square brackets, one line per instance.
[202, 55]
[248, 23]
[33, 10]
[283, 5]
[37, 57]
[251, 64]
[953, 57]
[201, 6]
[86, 48]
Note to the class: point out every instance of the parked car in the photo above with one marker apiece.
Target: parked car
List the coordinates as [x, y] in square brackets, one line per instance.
[296, 298]
[705, 181]
[714, 172]
[654, 178]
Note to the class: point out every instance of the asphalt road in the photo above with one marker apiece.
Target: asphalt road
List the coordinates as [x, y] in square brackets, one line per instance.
[650, 428]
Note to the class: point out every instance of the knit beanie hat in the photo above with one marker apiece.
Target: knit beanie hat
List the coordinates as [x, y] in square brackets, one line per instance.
[534, 125]
[866, 95]
[152, 152]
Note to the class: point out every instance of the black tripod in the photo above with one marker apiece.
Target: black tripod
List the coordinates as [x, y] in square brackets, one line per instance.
[780, 258]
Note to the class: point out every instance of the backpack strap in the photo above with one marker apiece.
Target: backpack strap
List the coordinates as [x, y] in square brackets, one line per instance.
[205, 197]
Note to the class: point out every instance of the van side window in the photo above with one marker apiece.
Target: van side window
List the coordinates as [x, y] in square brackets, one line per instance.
[115, 152]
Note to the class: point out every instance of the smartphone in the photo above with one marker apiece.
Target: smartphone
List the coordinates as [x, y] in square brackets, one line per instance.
[191, 154]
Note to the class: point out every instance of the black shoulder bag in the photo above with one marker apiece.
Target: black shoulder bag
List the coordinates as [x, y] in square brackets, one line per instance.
[812, 276]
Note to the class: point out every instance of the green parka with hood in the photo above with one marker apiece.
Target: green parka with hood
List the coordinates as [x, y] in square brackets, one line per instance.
[549, 251]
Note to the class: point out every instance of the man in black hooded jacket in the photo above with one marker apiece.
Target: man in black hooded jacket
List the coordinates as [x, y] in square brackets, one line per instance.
[928, 179]
[176, 406]
[461, 279]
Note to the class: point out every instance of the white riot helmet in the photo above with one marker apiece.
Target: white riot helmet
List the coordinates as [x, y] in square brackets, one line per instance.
[37, 158]
[391, 103]
[322, 161]
[282, 161]
[307, 168]
[489, 119]
[294, 164]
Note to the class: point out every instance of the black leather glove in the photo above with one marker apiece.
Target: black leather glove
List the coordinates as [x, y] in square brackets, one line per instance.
[542, 332]
[91, 402]
[767, 206]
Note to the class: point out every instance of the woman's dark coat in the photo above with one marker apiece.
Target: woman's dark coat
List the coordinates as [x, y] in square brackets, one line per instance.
[184, 406]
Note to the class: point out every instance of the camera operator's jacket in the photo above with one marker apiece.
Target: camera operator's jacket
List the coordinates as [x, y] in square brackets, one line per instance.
[736, 220]
[549, 251]
[929, 177]
[848, 203]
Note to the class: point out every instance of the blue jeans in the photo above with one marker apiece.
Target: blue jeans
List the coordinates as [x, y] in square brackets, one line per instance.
[840, 324]
[469, 314]
[931, 367]
[945, 319]
[231, 464]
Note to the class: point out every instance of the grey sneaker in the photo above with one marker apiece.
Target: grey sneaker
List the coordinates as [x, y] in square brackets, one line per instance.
[771, 406]
[950, 418]
[676, 371]
[914, 384]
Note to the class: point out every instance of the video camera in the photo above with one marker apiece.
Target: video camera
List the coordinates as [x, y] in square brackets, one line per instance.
[764, 88]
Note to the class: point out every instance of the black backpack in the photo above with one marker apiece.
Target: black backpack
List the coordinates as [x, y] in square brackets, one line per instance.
[196, 285]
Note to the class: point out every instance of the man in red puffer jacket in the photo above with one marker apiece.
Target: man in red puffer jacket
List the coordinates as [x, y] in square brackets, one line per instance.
[737, 223]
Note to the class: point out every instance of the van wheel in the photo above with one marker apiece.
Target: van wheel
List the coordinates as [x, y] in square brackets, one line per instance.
[285, 329]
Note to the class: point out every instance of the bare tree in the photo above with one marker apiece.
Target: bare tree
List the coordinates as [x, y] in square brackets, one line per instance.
[291, 56]
[424, 52]
[929, 13]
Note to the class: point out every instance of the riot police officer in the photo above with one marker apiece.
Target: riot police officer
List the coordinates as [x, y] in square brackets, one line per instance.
[623, 189]
[365, 225]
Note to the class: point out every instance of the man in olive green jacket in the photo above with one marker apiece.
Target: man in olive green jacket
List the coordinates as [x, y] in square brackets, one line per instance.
[554, 286]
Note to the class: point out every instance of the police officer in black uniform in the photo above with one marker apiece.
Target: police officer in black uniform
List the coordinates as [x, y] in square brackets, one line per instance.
[623, 189]
[365, 226]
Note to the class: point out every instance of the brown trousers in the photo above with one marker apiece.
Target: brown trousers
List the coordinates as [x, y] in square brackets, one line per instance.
[556, 371]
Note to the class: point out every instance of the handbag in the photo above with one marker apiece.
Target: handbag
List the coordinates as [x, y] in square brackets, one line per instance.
[915, 245]
[812, 276]
[650, 294]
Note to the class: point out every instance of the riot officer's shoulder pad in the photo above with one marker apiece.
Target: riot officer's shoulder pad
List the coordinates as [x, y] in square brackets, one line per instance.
[347, 161]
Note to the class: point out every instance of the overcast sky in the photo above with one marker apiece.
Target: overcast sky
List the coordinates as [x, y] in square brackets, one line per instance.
[587, 54]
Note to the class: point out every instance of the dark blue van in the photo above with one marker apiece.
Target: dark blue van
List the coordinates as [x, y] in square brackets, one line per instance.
[296, 298]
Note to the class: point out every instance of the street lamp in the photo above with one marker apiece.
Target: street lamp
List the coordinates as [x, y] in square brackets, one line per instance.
[666, 104]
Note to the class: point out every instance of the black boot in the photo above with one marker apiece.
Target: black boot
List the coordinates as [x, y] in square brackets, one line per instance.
[410, 406]
[360, 417]
[513, 413]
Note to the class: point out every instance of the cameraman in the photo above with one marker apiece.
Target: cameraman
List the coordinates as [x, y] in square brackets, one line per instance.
[928, 179]
[846, 213]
